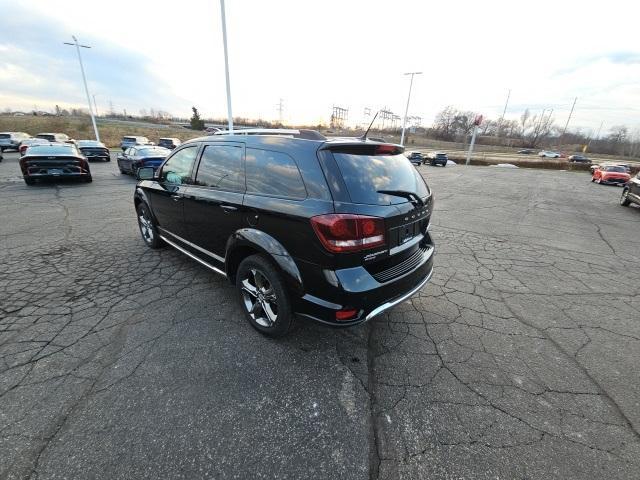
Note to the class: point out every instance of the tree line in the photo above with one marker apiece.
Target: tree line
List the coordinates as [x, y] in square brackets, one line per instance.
[532, 131]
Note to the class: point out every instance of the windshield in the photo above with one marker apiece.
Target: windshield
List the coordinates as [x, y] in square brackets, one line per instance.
[52, 150]
[364, 175]
[615, 169]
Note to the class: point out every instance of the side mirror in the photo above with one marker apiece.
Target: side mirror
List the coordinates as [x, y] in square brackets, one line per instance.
[145, 173]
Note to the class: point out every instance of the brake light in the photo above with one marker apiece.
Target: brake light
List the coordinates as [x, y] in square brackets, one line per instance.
[386, 149]
[340, 232]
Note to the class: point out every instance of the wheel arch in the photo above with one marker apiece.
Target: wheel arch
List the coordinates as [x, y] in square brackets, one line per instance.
[251, 241]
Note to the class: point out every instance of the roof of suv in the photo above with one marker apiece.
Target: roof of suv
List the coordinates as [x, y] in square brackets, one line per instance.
[283, 141]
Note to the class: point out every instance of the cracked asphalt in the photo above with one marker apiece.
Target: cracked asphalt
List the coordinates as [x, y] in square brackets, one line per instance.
[519, 359]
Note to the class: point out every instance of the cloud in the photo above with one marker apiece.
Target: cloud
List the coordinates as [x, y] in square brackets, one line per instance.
[35, 66]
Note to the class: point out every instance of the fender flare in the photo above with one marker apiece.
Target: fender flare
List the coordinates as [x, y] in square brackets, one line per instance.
[265, 243]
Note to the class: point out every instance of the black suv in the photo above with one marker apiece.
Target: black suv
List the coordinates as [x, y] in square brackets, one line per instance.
[333, 230]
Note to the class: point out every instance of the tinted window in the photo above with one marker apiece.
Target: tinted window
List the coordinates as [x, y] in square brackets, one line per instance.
[52, 150]
[128, 139]
[153, 152]
[364, 175]
[5, 135]
[221, 167]
[46, 137]
[273, 173]
[615, 169]
[177, 169]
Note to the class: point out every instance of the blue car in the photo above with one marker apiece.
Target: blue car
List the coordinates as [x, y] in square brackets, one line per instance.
[134, 158]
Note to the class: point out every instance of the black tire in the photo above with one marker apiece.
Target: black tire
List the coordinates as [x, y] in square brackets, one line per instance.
[87, 179]
[261, 288]
[593, 179]
[624, 200]
[29, 181]
[147, 226]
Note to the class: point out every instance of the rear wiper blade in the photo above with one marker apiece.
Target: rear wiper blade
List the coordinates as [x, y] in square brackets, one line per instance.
[411, 196]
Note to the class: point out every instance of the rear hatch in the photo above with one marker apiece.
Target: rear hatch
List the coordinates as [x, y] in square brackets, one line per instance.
[379, 181]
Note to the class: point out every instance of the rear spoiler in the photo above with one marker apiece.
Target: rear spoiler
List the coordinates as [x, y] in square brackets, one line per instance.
[364, 148]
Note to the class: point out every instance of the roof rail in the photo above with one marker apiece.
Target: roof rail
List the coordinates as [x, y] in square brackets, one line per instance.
[306, 134]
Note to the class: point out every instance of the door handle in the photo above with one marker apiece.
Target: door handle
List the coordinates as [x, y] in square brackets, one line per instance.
[175, 198]
[228, 208]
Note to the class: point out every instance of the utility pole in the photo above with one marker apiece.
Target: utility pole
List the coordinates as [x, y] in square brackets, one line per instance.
[280, 107]
[226, 65]
[406, 110]
[95, 105]
[84, 80]
[476, 123]
[504, 112]
[591, 138]
[568, 119]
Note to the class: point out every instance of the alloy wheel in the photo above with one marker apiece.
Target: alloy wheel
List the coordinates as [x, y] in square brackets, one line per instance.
[259, 298]
[146, 228]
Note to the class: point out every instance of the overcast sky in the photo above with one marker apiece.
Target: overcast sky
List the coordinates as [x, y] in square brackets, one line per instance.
[168, 56]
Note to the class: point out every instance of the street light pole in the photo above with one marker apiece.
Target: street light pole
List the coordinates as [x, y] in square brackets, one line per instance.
[84, 80]
[406, 110]
[226, 65]
[95, 105]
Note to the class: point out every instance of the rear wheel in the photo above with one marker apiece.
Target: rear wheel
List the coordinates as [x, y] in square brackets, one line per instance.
[624, 198]
[263, 296]
[87, 179]
[29, 181]
[147, 227]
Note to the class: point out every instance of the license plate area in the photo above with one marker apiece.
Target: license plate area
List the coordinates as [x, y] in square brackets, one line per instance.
[405, 233]
[55, 171]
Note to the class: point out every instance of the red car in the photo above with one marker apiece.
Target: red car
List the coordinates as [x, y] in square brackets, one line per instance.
[615, 174]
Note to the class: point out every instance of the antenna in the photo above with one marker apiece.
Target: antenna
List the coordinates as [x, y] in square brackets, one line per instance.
[364, 137]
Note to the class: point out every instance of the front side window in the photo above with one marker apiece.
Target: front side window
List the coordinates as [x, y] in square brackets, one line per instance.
[221, 167]
[177, 170]
[273, 173]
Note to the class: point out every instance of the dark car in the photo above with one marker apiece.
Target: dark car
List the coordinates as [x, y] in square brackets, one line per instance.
[438, 158]
[416, 158]
[29, 142]
[94, 150]
[169, 143]
[133, 141]
[12, 140]
[525, 151]
[631, 192]
[579, 159]
[54, 160]
[56, 137]
[332, 230]
[142, 156]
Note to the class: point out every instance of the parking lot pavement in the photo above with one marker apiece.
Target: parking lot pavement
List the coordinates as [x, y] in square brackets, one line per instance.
[519, 360]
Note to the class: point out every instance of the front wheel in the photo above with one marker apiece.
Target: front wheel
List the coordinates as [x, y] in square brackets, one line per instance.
[263, 296]
[624, 198]
[147, 227]
[29, 181]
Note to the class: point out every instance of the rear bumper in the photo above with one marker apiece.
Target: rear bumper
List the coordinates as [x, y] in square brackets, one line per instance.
[356, 288]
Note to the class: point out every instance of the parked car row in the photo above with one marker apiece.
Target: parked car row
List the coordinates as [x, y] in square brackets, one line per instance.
[432, 158]
[134, 141]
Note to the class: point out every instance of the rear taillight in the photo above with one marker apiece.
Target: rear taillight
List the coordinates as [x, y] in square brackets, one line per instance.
[342, 232]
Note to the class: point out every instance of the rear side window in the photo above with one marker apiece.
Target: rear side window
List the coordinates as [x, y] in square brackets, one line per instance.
[177, 170]
[365, 175]
[221, 167]
[273, 173]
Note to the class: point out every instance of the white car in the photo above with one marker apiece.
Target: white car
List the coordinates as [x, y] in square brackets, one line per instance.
[548, 154]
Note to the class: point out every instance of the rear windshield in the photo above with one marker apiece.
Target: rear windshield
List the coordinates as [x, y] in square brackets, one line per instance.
[128, 139]
[45, 136]
[364, 175]
[153, 152]
[52, 150]
[5, 135]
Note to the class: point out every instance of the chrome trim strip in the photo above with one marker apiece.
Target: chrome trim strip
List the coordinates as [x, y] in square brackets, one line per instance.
[393, 303]
[418, 238]
[191, 255]
[193, 245]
